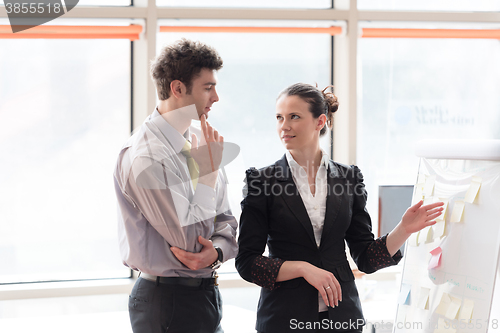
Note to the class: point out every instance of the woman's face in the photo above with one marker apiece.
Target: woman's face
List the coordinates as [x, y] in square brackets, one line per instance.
[296, 125]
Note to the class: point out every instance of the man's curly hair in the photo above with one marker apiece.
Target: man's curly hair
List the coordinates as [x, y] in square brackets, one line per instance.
[183, 61]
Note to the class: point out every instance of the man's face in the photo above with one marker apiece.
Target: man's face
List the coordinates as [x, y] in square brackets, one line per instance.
[203, 93]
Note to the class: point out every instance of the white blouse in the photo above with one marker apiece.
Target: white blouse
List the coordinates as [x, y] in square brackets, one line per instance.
[315, 204]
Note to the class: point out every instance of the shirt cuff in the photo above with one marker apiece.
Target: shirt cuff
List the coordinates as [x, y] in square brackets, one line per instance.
[265, 271]
[204, 196]
[227, 250]
[378, 255]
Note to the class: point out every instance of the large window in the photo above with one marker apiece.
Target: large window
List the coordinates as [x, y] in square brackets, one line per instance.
[65, 114]
[415, 89]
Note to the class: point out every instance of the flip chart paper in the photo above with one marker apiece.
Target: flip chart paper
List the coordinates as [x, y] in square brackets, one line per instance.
[421, 178]
[429, 185]
[414, 239]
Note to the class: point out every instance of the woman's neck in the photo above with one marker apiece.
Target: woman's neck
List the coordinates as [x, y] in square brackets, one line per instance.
[309, 159]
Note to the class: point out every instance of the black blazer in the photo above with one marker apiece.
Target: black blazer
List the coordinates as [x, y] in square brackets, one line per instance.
[273, 213]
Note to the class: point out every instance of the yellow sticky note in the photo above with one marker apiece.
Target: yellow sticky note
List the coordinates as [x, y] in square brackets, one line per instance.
[423, 298]
[439, 229]
[444, 327]
[426, 235]
[458, 209]
[405, 294]
[442, 217]
[443, 304]
[429, 185]
[467, 309]
[473, 189]
[441, 324]
[414, 239]
[429, 200]
[453, 308]
[418, 193]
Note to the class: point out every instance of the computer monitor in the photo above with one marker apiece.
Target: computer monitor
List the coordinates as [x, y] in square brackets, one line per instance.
[393, 201]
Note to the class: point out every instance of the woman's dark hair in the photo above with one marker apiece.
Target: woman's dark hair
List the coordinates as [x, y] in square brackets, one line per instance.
[320, 101]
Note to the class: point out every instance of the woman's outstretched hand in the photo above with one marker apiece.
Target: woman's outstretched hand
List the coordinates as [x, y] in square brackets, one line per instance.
[419, 216]
[416, 218]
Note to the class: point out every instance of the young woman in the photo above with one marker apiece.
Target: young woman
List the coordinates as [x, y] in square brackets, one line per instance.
[305, 207]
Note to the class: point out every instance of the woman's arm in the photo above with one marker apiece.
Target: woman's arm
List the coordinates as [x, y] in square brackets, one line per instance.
[324, 281]
[416, 218]
[254, 229]
[371, 255]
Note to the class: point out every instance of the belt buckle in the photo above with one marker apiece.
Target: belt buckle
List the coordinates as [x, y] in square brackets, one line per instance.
[216, 278]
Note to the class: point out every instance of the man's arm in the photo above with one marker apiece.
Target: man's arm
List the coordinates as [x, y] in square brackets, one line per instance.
[224, 236]
[167, 208]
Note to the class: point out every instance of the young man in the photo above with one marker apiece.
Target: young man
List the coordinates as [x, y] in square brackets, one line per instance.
[175, 225]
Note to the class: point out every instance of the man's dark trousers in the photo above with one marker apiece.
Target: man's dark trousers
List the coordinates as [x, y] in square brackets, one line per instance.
[156, 307]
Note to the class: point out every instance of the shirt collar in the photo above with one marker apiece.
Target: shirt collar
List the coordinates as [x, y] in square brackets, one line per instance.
[171, 134]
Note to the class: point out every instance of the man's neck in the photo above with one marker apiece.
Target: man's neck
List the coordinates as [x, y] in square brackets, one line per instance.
[180, 120]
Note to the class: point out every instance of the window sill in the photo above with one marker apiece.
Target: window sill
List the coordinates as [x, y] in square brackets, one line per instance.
[65, 289]
[94, 287]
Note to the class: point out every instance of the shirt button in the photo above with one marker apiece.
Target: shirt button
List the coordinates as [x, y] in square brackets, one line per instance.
[213, 199]
[315, 207]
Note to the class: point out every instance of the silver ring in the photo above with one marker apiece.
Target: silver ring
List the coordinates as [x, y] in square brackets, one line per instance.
[327, 287]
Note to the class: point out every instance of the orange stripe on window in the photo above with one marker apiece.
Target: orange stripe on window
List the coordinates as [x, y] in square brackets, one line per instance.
[291, 30]
[130, 32]
[429, 33]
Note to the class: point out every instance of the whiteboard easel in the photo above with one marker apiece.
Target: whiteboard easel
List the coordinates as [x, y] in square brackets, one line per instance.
[469, 263]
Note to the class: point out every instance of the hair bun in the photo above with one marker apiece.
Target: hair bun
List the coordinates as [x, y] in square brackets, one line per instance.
[331, 100]
[332, 105]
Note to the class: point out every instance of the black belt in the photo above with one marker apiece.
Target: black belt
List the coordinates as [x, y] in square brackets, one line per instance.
[181, 281]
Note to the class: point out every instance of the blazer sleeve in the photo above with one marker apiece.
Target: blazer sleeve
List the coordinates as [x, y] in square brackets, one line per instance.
[254, 227]
[368, 253]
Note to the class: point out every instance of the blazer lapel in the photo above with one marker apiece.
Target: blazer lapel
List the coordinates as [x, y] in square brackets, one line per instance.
[291, 196]
[335, 198]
